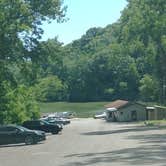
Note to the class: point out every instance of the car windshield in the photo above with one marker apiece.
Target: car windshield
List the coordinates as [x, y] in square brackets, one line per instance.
[44, 122]
[23, 128]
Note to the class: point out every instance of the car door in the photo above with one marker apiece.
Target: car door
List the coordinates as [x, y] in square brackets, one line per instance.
[44, 126]
[36, 125]
[6, 135]
[3, 136]
[33, 125]
[12, 135]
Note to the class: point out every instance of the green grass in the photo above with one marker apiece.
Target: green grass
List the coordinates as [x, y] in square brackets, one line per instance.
[81, 109]
[155, 122]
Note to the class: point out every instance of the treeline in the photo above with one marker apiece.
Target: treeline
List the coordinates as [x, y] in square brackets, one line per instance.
[125, 60]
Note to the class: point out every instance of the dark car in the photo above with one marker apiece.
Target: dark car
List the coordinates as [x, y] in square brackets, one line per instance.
[17, 134]
[42, 125]
[55, 120]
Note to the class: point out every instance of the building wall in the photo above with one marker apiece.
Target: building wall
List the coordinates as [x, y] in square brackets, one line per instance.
[125, 114]
[151, 115]
[158, 113]
[110, 116]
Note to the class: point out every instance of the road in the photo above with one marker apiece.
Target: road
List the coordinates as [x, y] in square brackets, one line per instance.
[92, 142]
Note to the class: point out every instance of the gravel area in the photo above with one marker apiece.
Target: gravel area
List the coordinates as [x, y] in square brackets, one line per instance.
[87, 142]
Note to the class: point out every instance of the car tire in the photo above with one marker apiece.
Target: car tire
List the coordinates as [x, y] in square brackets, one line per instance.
[29, 140]
[55, 132]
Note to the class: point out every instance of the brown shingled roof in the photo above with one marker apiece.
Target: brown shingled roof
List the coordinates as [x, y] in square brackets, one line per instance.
[117, 104]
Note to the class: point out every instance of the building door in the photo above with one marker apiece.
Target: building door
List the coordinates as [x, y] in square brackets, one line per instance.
[134, 115]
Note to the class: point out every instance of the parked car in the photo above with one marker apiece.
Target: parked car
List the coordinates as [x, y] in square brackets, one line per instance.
[17, 134]
[67, 115]
[64, 121]
[52, 121]
[100, 115]
[56, 120]
[42, 125]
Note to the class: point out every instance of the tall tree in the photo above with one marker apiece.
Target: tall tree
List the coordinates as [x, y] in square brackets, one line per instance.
[144, 29]
[20, 30]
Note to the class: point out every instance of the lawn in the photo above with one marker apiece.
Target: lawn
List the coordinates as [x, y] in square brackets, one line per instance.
[81, 109]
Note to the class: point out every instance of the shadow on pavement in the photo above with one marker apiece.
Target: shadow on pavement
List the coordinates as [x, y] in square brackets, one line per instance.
[153, 138]
[134, 129]
[143, 155]
[18, 145]
[151, 150]
[12, 145]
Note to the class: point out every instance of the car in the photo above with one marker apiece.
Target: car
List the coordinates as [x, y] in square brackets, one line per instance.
[13, 134]
[42, 125]
[100, 115]
[52, 121]
[67, 115]
[56, 120]
[64, 121]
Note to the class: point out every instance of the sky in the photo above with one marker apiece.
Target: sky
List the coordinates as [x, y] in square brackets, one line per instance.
[83, 15]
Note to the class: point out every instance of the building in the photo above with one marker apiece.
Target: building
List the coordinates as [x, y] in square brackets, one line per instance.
[156, 113]
[125, 111]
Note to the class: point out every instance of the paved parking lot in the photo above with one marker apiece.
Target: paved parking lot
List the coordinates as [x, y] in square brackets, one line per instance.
[92, 142]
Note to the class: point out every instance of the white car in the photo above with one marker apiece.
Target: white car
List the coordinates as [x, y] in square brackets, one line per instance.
[100, 116]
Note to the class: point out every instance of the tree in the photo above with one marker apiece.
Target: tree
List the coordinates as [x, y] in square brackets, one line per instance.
[148, 88]
[20, 25]
[19, 105]
[50, 89]
[143, 24]
[19, 34]
[50, 55]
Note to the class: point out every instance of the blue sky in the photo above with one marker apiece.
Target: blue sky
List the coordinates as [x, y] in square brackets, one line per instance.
[84, 14]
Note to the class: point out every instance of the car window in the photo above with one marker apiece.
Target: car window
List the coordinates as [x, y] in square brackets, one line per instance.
[7, 129]
[11, 129]
[2, 129]
[42, 123]
[23, 128]
[34, 123]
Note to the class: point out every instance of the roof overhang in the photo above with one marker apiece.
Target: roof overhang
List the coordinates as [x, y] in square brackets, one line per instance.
[150, 108]
[112, 109]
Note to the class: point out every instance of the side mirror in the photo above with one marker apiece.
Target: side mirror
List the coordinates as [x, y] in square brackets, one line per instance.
[18, 131]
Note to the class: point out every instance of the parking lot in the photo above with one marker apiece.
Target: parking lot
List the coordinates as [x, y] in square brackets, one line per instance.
[87, 142]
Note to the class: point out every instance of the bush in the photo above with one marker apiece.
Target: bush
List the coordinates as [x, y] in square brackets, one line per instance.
[50, 89]
[20, 105]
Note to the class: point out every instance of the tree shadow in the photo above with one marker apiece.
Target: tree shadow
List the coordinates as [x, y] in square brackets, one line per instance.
[125, 130]
[18, 145]
[151, 150]
[152, 139]
[12, 145]
[143, 155]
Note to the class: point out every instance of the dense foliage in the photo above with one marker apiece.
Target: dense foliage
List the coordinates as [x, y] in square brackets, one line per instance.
[125, 60]
[19, 34]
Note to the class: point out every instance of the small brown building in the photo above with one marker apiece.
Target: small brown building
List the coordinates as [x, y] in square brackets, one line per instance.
[156, 113]
[125, 111]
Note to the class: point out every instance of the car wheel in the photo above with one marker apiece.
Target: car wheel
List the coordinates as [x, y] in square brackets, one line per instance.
[55, 132]
[29, 140]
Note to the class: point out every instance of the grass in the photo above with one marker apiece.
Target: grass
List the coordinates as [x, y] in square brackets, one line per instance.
[155, 122]
[82, 110]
